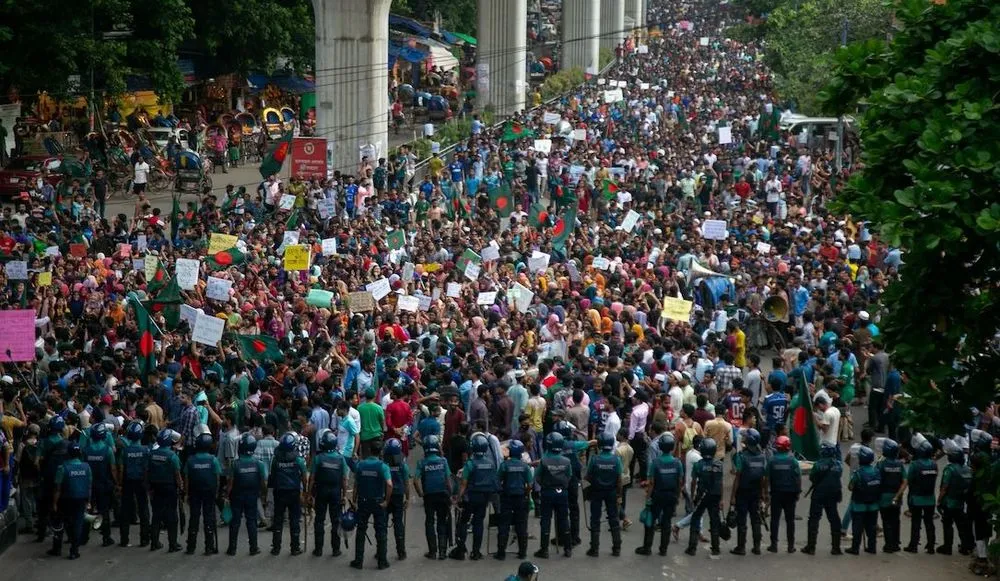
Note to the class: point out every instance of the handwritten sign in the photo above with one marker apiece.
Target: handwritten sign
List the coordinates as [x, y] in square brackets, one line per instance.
[329, 246]
[186, 270]
[763, 248]
[601, 263]
[218, 242]
[538, 261]
[18, 337]
[297, 257]
[408, 303]
[318, 297]
[551, 118]
[714, 230]
[725, 135]
[150, 267]
[454, 290]
[613, 96]
[326, 208]
[522, 297]
[124, 250]
[472, 270]
[631, 219]
[487, 298]
[208, 330]
[676, 309]
[218, 288]
[141, 243]
[490, 253]
[44, 279]
[574, 272]
[425, 302]
[139, 264]
[17, 270]
[287, 202]
[379, 289]
[361, 301]
[190, 314]
[543, 145]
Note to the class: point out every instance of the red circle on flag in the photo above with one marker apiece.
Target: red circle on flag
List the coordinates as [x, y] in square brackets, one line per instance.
[223, 258]
[258, 346]
[501, 203]
[559, 228]
[800, 423]
[146, 344]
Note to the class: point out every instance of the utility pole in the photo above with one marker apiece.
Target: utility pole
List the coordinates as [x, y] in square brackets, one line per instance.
[840, 119]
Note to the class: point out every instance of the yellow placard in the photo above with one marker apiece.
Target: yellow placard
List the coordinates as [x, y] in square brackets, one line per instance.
[676, 309]
[297, 257]
[44, 279]
[432, 267]
[219, 242]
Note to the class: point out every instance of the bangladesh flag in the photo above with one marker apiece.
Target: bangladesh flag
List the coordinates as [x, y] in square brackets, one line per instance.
[223, 259]
[159, 279]
[275, 157]
[293, 220]
[564, 227]
[610, 189]
[513, 131]
[261, 348]
[175, 219]
[538, 216]
[502, 200]
[459, 207]
[396, 239]
[805, 437]
[145, 326]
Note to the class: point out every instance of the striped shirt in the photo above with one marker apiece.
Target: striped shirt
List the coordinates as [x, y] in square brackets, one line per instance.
[265, 451]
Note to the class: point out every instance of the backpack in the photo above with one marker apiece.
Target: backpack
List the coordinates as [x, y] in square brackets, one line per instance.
[688, 440]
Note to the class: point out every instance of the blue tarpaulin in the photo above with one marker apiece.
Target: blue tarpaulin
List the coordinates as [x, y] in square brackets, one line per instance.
[400, 22]
[285, 82]
[408, 54]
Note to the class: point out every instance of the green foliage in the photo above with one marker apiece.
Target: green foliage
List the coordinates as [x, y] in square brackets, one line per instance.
[456, 15]
[562, 82]
[928, 185]
[606, 56]
[801, 38]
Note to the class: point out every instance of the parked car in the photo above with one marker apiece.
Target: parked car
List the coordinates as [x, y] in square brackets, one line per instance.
[21, 173]
[162, 135]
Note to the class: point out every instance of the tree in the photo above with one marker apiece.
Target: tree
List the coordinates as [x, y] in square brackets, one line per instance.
[802, 36]
[456, 15]
[928, 185]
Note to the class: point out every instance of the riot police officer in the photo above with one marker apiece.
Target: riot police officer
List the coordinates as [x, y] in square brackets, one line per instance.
[921, 479]
[433, 484]
[665, 479]
[288, 478]
[372, 491]
[51, 455]
[247, 483]
[554, 475]
[326, 488]
[163, 477]
[750, 468]
[73, 481]
[956, 480]
[706, 488]
[826, 493]
[865, 486]
[479, 481]
[981, 443]
[572, 449]
[400, 498]
[132, 464]
[604, 473]
[890, 470]
[101, 459]
[515, 486]
[784, 476]
[201, 475]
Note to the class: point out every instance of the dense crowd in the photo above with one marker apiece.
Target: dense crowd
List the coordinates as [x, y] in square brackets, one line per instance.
[616, 292]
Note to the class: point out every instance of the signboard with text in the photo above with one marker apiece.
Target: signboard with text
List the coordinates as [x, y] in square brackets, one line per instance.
[309, 157]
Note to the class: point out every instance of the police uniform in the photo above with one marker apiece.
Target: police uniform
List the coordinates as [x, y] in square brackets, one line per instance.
[555, 473]
[604, 472]
[435, 482]
[202, 472]
[865, 485]
[74, 480]
[329, 470]
[826, 494]
[784, 476]
[891, 479]
[921, 478]
[957, 480]
[51, 454]
[287, 470]
[480, 475]
[572, 451]
[708, 475]
[248, 477]
[515, 482]
[396, 509]
[162, 477]
[132, 462]
[751, 466]
[666, 473]
[371, 475]
[100, 457]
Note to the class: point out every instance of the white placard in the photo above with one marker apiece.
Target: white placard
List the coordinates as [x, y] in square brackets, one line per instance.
[725, 135]
[139, 264]
[454, 290]
[714, 230]
[190, 314]
[643, 49]
[522, 297]
[489, 253]
[487, 298]
[613, 96]
[644, 86]
[574, 272]
[17, 270]
[631, 219]
[579, 135]
[218, 288]
[287, 202]
[208, 329]
[379, 289]
[287, 239]
[425, 302]
[435, 293]
[551, 118]
[703, 41]
[543, 145]
[329, 246]
[601, 81]
[327, 208]
[141, 243]
[763, 248]
[408, 272]
[472, 270]
[186, 270]
[538, 261]
[601, 263]
[408, 303]
[622, 84]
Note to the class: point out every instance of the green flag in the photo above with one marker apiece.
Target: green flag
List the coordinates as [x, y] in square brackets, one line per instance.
[168, 301]
[805, 437]
[174, 219]
[396, 239]
[225, 258]
[145, 326]
[502, 200]
[513, 131]
[538, 216]
[610, 190]
[275, 157]
[564, 227]
[261, 348]
[293, 220]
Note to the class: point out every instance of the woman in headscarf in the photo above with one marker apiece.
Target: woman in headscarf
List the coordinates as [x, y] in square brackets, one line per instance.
[553, 338]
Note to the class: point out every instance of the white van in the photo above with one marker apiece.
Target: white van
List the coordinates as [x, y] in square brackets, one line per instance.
[815, 131]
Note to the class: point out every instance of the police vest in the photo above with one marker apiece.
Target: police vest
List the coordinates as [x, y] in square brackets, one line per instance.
[891, 473]
[76, 480]
[396, 472]
[710, 478]
[555, 473]
[828, 485]
[603, 473]
[247, 476]
[201, 473]
[666, 476]
[483, 477]
[782, 474]
[868, 486]
[433, 475]
[286, 472]
[514, 477]
[329, 468]
[577, 467]
[960, 482]
[754, 466]
[924, 478]
[100, 465]
[135, 457]
[54, 457]
[161, 469]
[370, 480]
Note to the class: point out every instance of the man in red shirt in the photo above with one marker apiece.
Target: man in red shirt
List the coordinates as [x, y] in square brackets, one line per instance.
[742, 188]
[398, 416]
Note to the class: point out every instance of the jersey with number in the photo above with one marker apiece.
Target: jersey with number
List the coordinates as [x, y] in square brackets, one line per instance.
[775, 409]
[736, 406]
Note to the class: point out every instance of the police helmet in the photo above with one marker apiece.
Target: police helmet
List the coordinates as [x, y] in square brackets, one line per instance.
[527, 571]
[956, 457]
[827, 450]
[393, 447]
[783, 444]
[554, 442]
[707, 448]
[980, 440]
[287, 442]
[248, 444]
[327, 441]
[516, 448]
[566, 429]
[163, 438]
[98, 432]
[924, 449]
[751, 438]
[666, 443]
[605, 442]
[134, 431]
[432, 445]
[175, 437]
[480, 445]
[56, 425]
[73, 449]
[203, 443]
[890, 449]
[865, 456]
[348, 520]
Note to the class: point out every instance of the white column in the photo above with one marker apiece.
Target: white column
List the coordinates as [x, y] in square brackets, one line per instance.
[612, 23]
[643, 11]
[632, 10]
[352, 78]
[581, 30]
[501, 56]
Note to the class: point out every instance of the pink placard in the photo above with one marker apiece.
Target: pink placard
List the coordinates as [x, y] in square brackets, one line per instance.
[17, 335]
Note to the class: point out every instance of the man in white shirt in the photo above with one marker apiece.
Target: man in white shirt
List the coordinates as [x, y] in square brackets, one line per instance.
[827, 420]
[140, 177]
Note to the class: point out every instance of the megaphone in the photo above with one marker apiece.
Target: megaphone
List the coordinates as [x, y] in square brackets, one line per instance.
[775, 308]
[699, 270]
[94, 521]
